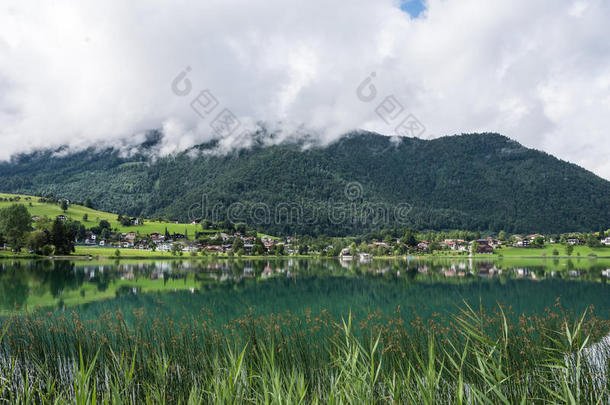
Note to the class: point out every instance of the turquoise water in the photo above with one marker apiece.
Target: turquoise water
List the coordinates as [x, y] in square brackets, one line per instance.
[229, 289]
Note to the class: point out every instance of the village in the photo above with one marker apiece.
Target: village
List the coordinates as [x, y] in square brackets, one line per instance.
[250, 243]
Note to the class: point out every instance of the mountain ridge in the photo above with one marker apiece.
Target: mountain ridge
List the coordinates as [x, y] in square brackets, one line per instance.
[469, 181]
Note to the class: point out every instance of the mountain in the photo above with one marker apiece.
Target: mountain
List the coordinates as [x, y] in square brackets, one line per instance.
[363, 182]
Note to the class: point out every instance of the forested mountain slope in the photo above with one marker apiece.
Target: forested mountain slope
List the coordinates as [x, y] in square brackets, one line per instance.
[476, 182]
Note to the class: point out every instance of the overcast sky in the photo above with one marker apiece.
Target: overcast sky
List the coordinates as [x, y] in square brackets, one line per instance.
[97, 73]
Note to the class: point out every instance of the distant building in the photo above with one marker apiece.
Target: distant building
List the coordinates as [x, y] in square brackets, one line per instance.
[345, 254]
[365, 257]
[484, 246]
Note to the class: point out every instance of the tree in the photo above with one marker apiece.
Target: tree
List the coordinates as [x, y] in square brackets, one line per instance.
[15, 224]
[88, 203]
[104, 225]
[474, 247]
[64, 205]
[569, 250]
[61, 238]
[167, 237]
[409, 238]
[303, 249]
[176, 249]
[434, 246]
[86, 218]
[538, 242]
[238, 244]
[593, 242]
[117, 253]
[37, 240]
[502, 235]
[258, 248]
[227, 225]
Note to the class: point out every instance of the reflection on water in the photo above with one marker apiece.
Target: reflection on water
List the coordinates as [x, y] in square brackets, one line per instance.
[27, 285]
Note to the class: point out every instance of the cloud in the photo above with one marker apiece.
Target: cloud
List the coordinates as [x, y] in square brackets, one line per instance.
[82, 74]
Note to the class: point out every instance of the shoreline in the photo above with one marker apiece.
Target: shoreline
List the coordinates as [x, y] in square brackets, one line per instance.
[225, 257]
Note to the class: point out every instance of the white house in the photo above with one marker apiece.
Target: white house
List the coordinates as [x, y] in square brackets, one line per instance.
[164, 247]
[346, 254]
[606, 241]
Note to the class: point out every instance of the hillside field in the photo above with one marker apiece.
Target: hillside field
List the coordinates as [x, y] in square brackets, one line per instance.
[76, 212]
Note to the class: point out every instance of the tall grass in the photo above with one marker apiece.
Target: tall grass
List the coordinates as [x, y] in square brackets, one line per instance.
[477, 357]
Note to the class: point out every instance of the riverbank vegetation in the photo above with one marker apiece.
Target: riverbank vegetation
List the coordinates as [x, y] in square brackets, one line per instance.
[475, 356]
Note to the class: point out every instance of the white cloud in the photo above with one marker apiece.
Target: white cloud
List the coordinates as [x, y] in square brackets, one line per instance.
[84, 74]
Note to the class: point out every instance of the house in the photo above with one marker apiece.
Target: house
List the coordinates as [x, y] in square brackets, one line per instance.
[494, 243]
[449, 244]
[189, 248]
[365, 257]
[573, 241]
[525, 243]
[156, 237]
[423, 245]
[345, 254]
[606, 242]
[35, 218]
[164, 247]
[248, 248]
[62, 218]
[131, 236]
[483, 246]
[461, 245]
[90, 238]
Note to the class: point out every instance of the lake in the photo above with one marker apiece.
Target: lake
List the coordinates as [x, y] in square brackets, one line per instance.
[229, 289]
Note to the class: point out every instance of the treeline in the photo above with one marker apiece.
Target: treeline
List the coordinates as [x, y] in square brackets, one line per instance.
[51, 236]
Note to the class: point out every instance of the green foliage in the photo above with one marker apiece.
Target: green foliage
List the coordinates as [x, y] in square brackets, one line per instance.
[479, 357]
[15, 224]
[538, 242]
[37, 240]
[62, 238]
[480, 182]
[176, 249]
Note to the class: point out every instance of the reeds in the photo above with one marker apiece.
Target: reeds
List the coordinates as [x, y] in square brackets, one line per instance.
[475, 357]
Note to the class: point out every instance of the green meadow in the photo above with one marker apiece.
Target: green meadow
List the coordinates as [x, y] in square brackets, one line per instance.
[77, 212]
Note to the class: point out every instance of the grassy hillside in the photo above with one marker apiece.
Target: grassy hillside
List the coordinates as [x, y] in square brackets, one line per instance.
[76, 212]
